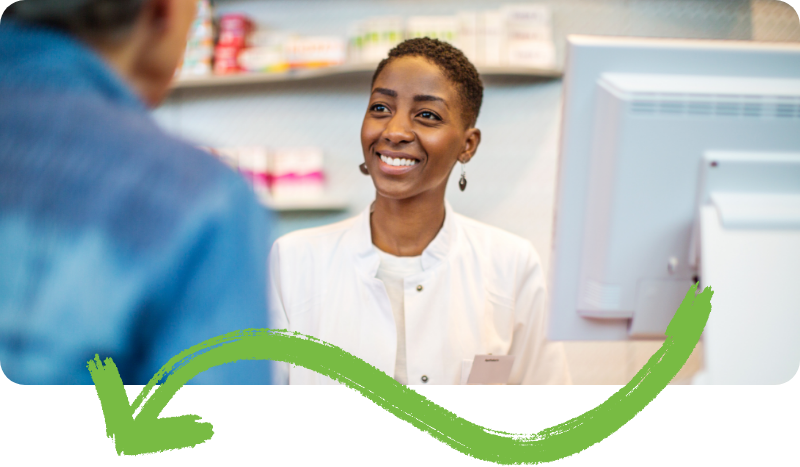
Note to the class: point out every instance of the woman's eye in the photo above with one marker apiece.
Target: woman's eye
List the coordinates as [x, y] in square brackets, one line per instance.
[378, 108]
[429, 115]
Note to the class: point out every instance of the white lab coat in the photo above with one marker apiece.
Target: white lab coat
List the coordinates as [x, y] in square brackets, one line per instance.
[481, 291]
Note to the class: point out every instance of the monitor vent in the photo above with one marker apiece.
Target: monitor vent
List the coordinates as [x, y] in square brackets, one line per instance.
[707, 105]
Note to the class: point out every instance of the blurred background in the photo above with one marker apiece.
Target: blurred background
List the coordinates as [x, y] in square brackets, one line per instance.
[278, 90]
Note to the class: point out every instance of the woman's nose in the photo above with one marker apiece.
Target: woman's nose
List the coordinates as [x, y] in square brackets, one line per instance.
[398, 130]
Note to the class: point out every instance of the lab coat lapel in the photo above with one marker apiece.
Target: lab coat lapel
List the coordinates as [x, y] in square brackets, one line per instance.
[441, 245]
[377, 334]
[359, 242]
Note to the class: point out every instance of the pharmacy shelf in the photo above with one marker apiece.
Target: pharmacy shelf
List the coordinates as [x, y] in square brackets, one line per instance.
[340, 70]
[328, 203]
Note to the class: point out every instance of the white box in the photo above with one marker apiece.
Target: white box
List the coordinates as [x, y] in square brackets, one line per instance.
[297, 161]
[534, 54]
[529, 36]
[444, 28]
[297, 174]
[392, 32]
[355, 42]
[491, 40]
[253, 165]
[528, 14]
[467, 37]
[371, 33]
[378, 36]
[447, 27]
[420, 26]
[268, 59]
[529, 32]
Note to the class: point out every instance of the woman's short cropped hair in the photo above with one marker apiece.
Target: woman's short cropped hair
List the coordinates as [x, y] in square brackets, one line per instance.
[94, 18]
[455, 65]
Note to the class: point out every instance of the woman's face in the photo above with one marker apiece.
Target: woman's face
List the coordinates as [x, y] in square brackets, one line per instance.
[413, 132]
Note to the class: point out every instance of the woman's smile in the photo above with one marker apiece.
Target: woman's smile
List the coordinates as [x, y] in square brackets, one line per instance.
[396, 163]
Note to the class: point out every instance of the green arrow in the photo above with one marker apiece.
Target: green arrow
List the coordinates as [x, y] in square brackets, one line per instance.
[146, 433]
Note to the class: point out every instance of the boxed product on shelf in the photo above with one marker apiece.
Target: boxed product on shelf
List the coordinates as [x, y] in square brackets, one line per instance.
[527, 14]
[538, 54]
[234, 29]
[355, 43]
[491, 38]
[263, 60]
[371, 40]
[200, 43]
[467, 34]
[444, 28]
[233, 32]
[386, 33]
[296, 174]
[265, 51]
[315, 52]
[253, 164]
[529, 36]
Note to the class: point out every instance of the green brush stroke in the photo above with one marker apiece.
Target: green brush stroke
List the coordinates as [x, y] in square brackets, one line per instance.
[146, 433]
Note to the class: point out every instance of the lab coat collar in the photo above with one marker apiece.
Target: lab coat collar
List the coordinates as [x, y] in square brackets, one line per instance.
[367, 259]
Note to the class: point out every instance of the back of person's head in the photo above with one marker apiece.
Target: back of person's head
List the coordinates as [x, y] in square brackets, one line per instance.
[143, 40]
[96, 19]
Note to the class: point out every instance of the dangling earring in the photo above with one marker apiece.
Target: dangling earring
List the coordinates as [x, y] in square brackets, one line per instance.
[463, 182]
[363, 168]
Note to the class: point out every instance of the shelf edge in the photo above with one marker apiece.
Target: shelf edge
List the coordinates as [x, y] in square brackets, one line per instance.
[299, 75]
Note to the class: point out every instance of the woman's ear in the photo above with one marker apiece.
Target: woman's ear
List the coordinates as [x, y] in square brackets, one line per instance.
[470, 145]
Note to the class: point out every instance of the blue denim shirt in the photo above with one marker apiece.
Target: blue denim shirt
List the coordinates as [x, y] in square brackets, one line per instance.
[115, 238]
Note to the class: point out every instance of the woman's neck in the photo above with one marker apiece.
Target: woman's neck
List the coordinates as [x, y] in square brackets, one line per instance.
[406, 227]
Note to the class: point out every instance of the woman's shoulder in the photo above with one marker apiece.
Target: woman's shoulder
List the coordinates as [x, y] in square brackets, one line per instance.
[484, 232]
[315, 239]
[492, 238]
[507, 260]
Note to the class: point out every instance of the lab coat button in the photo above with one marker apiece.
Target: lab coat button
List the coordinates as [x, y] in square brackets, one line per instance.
[419, 288]
[424, 378]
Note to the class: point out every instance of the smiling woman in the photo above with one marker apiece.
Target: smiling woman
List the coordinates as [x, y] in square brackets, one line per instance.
[414, 132]
[410, 286]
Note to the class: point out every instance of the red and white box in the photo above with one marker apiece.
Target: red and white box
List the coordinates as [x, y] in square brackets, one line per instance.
[234, 30]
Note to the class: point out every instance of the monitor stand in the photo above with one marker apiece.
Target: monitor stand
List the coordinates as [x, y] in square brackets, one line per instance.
[753, 333]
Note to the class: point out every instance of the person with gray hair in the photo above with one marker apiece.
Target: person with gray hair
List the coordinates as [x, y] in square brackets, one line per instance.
[116, 239]
[83, 17]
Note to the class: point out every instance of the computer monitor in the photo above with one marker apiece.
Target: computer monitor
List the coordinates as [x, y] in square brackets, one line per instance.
[641, 117]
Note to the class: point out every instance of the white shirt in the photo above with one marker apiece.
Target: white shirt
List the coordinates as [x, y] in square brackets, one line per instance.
[481, 291]
[393, 271]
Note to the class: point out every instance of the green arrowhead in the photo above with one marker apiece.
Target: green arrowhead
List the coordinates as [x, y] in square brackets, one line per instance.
[146, 433]
[142, 434]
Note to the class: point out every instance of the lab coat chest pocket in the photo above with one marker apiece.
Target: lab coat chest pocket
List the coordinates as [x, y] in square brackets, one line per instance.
[498, 323]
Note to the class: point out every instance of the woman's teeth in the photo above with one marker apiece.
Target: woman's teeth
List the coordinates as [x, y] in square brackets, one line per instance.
[397, 162]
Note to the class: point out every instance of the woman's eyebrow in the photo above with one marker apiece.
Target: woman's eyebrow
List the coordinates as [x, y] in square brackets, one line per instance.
[429, 98]
[385, 91]
[417, 98]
